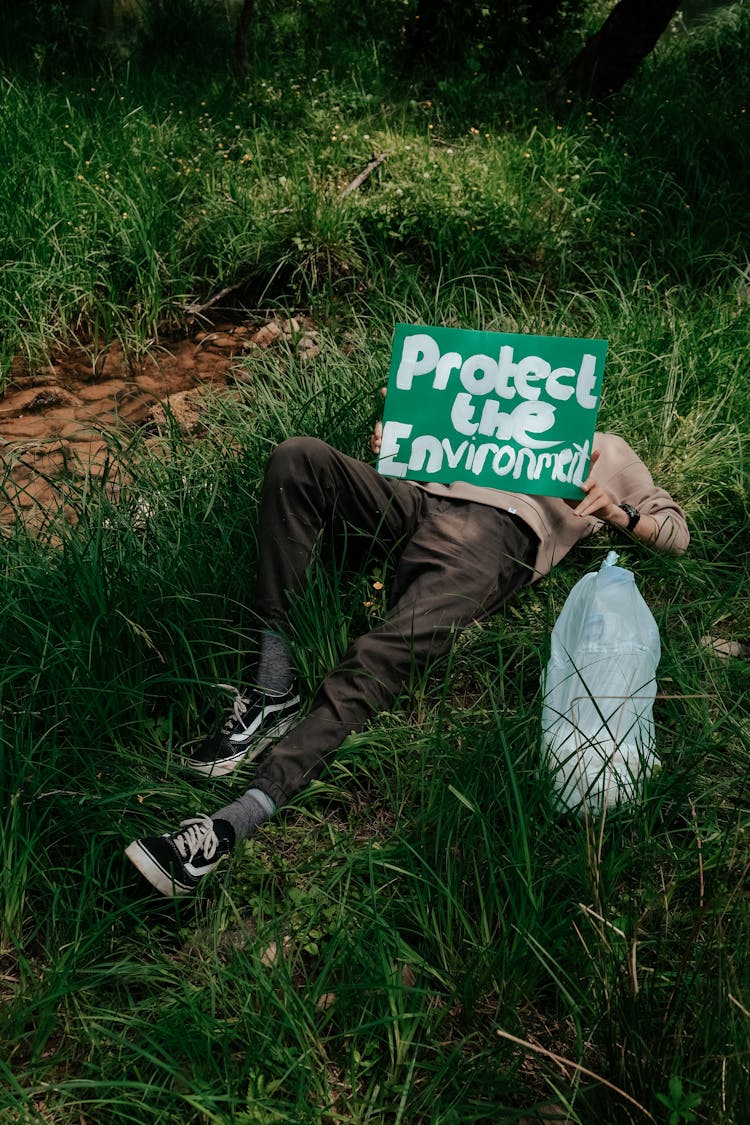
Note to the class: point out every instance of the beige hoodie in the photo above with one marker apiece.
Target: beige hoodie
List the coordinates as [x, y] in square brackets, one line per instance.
[619, 469]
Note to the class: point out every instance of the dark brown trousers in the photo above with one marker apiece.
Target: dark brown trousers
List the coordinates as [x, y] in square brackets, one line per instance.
[455, 561]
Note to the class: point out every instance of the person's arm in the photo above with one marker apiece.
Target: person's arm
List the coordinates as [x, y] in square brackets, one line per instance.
[668, 533]
[601, 505]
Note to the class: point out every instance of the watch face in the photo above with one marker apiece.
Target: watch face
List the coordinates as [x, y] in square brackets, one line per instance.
[632, 513]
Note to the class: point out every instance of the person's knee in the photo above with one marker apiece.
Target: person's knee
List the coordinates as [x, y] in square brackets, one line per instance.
[295, 456]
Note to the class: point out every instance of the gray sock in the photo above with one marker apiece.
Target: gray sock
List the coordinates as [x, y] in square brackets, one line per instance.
[275, 672]
[247, 813]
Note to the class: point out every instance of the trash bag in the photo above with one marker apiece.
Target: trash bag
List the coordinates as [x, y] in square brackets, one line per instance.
[599, 687]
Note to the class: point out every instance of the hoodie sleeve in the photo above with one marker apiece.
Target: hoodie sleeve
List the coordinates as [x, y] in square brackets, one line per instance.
[630, 482]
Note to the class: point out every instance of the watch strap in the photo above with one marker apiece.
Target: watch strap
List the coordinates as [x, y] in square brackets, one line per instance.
[632, 513]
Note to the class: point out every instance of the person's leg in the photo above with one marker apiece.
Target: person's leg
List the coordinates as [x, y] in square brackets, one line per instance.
[464, 561]
[310, 489]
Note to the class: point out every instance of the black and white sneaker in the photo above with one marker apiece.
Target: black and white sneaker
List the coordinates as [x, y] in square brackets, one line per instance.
[176, 862]
[256, 718]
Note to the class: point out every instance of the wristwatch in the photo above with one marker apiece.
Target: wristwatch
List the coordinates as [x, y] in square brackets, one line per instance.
[632, 513]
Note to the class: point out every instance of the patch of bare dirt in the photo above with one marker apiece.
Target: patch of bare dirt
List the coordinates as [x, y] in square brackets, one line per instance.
[55, 420]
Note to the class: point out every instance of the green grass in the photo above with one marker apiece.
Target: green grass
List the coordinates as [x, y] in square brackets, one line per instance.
[422, 898]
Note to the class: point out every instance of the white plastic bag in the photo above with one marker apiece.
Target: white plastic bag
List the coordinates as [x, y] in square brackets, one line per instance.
[599, 687]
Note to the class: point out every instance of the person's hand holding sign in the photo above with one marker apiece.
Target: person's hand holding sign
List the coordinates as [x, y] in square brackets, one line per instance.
[598, 501]
[600, 504]
[376, 437]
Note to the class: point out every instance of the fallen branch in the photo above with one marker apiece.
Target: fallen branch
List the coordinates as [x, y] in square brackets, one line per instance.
[363, 175]
[195, 309]
[563, 1062]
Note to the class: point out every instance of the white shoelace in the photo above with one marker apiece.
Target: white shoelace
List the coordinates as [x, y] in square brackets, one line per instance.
[198, 835]
[240, 704]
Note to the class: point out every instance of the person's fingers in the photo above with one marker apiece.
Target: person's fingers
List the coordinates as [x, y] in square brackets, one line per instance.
[376, 437]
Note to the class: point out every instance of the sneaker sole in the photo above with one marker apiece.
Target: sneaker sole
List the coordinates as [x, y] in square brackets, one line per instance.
[153, 872]
[229, 765]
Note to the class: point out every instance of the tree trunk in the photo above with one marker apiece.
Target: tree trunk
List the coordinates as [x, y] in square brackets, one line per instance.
[425, 28]
[240, 38]
[613, 54]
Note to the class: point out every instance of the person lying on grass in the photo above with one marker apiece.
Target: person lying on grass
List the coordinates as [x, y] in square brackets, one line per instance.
[459, 553]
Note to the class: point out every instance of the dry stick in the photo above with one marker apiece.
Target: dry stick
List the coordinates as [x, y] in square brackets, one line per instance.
[368, 171]
[562, 1061]
[699, 845]
[623, 935]
[194, 309]
[736, 1002]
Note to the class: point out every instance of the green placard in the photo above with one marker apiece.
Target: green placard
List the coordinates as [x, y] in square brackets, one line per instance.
[498, 409]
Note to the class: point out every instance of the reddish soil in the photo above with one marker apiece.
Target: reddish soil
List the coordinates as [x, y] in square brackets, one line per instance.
[54, 420]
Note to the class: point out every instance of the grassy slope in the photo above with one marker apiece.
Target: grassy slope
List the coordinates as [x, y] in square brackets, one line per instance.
[425, 895]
